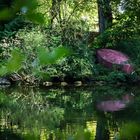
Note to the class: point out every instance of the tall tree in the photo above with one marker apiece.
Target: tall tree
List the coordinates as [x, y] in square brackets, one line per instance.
[105, 14]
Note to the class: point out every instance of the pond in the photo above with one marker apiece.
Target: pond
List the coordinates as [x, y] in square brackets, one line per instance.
[70, 113]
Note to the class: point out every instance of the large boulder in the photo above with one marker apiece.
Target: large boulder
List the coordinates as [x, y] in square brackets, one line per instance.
[112, 58]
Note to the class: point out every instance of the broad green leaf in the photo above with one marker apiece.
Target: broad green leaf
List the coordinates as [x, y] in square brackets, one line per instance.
[43, 56]
[51, 57]
[16, 61]
[6, 14]
[3, 70]
[27, 7]
[36, 17]
[59, 52]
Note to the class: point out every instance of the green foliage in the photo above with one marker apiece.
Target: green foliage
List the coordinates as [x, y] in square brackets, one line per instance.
[125, 25]
[114, 76]
[33, 47]
[46, 57]
[14, 63]
[63, 12]
[130, 131]
[50, 29]
[5, 14]
[43, 47]
[27, 8]
[111, 76]
[46, 54]
[4, 101]
[81, 135]
[131, 47]
[117, 33]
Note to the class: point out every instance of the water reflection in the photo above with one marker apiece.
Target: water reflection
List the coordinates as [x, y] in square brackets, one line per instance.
[68, 114]
[7, 134]
[115, 105]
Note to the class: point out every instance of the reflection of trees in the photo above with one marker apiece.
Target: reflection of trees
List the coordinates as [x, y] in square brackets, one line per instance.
[61, 113]
[112, 122]
[29, 112]
[6, 134]
[102, 130]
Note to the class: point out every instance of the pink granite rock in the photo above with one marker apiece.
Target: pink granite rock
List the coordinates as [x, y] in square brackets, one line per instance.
[109, 58]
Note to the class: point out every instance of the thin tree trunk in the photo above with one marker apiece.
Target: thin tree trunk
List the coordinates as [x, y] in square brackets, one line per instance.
[101, 17]
[55, 10]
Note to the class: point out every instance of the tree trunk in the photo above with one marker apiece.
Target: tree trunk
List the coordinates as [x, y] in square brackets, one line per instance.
[102, 132]
[55, 10]
[104, 14]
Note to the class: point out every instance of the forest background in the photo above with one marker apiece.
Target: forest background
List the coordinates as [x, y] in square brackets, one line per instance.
[56, 40]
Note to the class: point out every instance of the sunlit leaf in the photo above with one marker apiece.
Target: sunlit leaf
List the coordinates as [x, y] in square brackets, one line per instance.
[51, 57]
[16, 61]
[43, 56]
[3, 70]
[59, 52]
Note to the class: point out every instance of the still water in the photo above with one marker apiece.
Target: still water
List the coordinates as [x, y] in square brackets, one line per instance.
[91, 113]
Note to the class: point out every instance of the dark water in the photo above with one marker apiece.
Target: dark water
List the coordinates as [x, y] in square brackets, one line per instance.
[93, 113]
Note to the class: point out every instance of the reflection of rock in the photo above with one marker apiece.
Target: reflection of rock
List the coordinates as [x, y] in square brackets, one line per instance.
[78, 83]
[64, 83]
[47, 83]
[115, 105]
[111, 105]
[4, 81]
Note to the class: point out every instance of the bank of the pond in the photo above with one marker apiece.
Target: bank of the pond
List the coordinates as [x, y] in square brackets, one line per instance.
[69, 81]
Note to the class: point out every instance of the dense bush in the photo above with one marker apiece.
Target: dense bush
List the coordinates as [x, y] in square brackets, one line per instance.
[78, 64]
